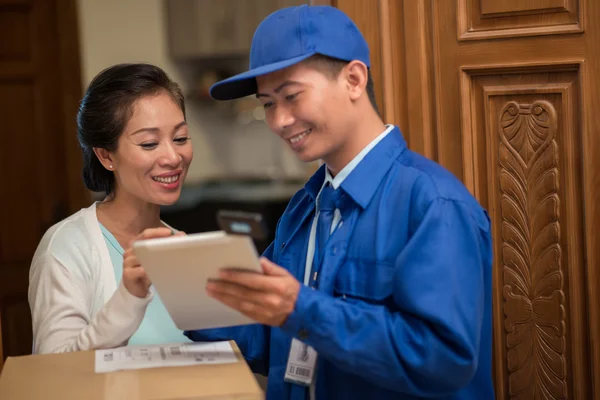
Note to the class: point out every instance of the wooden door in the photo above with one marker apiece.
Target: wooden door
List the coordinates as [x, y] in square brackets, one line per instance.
[40, 162]
[504, 93]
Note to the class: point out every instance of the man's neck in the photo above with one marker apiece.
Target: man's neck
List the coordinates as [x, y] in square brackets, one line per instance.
[363, 133]
[126, 217]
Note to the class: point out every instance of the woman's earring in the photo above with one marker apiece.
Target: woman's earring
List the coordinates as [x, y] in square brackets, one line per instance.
[110, 166]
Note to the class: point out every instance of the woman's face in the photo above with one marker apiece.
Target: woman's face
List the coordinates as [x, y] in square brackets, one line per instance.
[154, 152]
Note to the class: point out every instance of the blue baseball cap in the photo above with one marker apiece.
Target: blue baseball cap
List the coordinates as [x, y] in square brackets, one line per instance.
[291, 35]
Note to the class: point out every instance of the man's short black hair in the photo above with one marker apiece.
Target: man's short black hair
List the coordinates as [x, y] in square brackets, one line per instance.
[332, 68]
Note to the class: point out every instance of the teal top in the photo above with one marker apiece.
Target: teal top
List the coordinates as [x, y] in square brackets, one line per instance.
[157, 327]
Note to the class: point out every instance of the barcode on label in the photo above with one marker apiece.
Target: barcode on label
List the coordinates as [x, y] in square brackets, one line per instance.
[176, 351]
[299, 371]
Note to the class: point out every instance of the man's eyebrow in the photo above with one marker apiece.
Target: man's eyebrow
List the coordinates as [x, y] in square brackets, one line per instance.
[279, 88]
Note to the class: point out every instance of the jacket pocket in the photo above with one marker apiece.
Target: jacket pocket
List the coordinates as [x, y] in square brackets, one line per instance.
[370, 280]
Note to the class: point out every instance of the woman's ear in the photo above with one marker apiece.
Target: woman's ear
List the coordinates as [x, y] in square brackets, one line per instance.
[105, 158]
[357, 75]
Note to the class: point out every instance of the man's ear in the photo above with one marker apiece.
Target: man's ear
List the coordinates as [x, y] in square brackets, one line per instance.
[357, 75]
[105, 158]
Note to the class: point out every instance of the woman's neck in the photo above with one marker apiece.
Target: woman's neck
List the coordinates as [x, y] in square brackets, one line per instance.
[126, 218]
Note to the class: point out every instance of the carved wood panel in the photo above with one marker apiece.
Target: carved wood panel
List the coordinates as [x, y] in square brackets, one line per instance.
[524, 133]
[487, 19]
[534, 296]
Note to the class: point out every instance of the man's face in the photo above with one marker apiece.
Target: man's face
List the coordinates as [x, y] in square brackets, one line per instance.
[306, 108]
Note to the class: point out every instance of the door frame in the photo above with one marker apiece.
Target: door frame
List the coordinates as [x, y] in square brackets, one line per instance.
[70, 96]
[68, 57]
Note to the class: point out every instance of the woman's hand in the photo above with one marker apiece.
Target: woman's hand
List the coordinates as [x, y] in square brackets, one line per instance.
[134, 277]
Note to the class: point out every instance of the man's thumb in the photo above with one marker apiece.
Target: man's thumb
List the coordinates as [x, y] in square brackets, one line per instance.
[270, 268]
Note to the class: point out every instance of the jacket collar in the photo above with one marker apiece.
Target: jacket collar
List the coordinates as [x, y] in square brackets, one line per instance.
[363, 181]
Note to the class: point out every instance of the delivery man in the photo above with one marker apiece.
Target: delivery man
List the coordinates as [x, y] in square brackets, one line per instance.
[378, 283]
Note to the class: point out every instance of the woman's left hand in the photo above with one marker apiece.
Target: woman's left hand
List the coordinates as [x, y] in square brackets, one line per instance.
[134, 277]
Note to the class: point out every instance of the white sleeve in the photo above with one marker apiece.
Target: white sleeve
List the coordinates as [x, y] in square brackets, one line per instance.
[61, 308]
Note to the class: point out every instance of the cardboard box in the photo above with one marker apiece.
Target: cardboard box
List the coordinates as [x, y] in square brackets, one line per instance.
[71, 376]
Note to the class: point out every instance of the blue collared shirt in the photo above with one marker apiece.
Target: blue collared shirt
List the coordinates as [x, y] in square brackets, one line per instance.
[403, 309]
[335, 183]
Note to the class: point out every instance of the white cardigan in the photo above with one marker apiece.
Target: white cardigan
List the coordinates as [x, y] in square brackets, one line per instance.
[74, 301]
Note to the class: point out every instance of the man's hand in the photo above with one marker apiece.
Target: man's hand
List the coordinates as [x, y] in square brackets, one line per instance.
[268, 299]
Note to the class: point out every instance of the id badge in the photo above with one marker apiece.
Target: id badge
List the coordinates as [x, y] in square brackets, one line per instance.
[301, 364]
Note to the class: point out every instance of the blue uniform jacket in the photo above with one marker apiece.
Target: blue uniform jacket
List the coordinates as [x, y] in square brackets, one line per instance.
[403, 308]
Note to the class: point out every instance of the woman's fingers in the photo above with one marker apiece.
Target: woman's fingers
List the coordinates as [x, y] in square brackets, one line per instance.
[152, 233]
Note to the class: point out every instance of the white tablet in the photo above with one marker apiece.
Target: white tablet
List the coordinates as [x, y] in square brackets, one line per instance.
[180, 266]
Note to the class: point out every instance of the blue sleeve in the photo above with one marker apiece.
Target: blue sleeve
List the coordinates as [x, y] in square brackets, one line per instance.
[253, 340]
[429, 347]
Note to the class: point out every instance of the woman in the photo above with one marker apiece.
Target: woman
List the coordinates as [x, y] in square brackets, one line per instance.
[136, 149]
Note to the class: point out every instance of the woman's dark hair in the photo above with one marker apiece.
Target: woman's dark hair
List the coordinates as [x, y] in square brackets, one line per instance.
[106, 108]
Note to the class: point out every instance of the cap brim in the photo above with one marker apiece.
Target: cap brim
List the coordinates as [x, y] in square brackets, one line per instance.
[244, 84]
